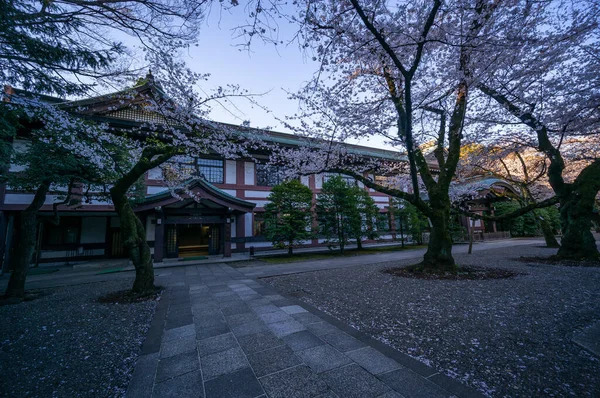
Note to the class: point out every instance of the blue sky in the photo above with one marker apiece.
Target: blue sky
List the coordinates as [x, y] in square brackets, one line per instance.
[265, 68]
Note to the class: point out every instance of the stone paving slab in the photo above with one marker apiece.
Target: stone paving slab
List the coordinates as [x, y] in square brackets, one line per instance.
[217, 333]
[296, 382]
[352, 381]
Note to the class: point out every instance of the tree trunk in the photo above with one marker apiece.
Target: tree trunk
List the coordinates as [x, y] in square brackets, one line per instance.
[438, 257]
[27, 241]
[133, 232]
[576, 209]
[359, 245]
[471, 230]
[547, 231]
[290, 250]
[578, 242]
[134, 240]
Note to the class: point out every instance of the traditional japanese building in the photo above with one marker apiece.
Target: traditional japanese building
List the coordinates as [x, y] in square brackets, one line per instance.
[227, 218]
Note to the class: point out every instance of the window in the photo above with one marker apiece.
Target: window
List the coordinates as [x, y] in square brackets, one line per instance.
[388, 181]
[211, 170]
[268, 175]
[66, 232]
[259, 224]
[347, 179]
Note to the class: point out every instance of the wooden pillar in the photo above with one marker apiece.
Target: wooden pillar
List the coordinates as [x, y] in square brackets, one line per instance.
[227, 238]
[8, 243]
[240, 231]
[3, 235]
[159, 238]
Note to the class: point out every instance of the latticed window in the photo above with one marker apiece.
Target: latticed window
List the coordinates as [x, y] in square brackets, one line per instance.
[268, 175]
[211, 170]
[259, 224]
[139, 115]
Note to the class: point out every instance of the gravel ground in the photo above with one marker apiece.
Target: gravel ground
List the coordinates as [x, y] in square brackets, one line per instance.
[66, 344]
[504, 337]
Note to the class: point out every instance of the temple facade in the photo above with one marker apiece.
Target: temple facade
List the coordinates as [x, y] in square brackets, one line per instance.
[228, 217]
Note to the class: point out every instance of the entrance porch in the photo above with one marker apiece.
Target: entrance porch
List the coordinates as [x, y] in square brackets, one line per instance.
[195, 225]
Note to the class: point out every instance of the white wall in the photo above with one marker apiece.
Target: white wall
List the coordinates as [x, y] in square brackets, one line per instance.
[248, 173]
[150, 228]
[230, 172]
[257, 194]
[93, 229]
[62, 253]
[25, 199]
[304, 180]
[155, 174]
[318, 181]
[381, 199]
[249, 226]
[152, 190]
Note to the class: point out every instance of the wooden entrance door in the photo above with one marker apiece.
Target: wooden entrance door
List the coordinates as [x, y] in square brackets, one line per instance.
[171, 244]
[116, 243]
[214, 243]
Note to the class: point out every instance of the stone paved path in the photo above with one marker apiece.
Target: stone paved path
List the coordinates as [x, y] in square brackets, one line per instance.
[217, 333]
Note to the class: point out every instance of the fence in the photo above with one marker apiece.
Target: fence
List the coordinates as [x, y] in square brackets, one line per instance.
[477, 237]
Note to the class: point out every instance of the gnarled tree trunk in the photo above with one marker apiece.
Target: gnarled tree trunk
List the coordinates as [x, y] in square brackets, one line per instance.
[132, 230]
[576, 209]
[134, 240]
[438, 257]
[27, 235]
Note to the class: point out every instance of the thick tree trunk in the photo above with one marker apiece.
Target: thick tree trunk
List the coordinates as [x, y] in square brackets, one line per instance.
[27, 241]
[290, 250]
[359, 245]
[132, 230]
[576, 211]
[578, 242]
[547, 231]
[134, 240]
[438, 257]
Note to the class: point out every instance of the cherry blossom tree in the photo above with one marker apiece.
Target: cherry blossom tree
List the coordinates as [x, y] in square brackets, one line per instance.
[58, 155]
[546, 81]
[420, 71]
[404, 70]
[68, 47]
[183, 131]
[523, 167]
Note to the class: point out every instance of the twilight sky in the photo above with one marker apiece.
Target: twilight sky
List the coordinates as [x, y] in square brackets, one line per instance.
[265, 68]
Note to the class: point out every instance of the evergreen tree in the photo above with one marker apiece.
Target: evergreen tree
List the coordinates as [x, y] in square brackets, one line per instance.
[369, 220]
[337, 210]
[410, 219]
[346, 212]
[288, 215]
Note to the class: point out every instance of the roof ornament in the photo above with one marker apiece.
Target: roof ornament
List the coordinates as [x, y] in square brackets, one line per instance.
[150, 76]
